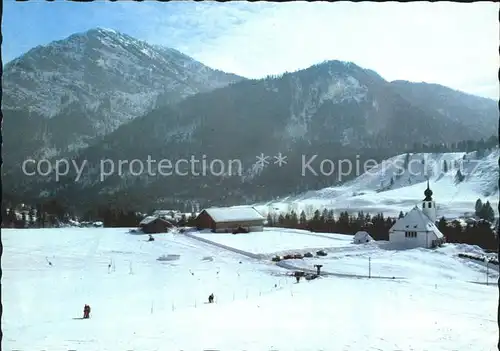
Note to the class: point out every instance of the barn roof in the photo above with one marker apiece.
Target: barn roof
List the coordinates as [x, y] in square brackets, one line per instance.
[150, 219]
[234, 214]
[416, 221]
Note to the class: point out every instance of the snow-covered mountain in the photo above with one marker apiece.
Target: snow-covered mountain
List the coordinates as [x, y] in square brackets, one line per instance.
[104, 95]
[62, 95]
[390, 187]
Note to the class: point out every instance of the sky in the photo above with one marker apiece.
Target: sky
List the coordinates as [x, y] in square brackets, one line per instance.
[453, 44]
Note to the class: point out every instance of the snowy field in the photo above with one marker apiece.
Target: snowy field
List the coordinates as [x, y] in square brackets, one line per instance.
[378, 259]
[278, 240]
[141, 303]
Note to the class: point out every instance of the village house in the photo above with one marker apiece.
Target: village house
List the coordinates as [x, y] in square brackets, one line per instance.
[362, 237]
[418, 227]
[169, 215]
[153, 224]
[229, 219]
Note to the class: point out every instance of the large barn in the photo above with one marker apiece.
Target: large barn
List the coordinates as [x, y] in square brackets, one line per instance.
[229, 219]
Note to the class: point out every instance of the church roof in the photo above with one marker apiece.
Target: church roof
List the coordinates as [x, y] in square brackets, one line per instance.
[416, 221]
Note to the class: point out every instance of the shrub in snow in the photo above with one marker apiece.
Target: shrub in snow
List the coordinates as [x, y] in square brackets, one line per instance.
[168, 257]
[478, 257]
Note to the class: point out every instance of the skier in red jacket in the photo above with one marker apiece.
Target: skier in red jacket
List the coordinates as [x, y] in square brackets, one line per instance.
[86, 311]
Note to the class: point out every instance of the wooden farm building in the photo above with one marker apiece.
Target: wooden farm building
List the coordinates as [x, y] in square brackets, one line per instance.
[153, 224]
[229, 219]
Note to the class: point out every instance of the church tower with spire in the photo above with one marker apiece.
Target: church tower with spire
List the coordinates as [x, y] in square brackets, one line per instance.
[428, 204]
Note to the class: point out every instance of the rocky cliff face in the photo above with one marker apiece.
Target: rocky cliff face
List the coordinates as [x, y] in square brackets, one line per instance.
[63, 95]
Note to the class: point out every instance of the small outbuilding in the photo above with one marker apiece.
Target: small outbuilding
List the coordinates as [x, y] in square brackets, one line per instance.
[153, 224]
[230, 219]
[362, 237]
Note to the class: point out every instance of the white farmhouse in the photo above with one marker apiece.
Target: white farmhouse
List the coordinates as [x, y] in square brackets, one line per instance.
[418, 228]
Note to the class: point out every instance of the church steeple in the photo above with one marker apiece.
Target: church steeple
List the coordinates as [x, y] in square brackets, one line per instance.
[428, 192]
[428, 204]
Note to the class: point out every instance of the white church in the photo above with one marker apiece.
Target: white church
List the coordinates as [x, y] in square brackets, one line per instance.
[418, 228]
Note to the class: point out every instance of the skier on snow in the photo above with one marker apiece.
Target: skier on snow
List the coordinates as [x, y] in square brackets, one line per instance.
[86, 311]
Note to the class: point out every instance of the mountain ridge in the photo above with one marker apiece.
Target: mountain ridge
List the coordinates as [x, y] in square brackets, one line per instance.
[106, 77]
[333, 109]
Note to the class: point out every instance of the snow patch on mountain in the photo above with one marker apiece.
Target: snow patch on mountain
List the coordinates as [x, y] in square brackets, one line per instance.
[390, 187]
[105, 79]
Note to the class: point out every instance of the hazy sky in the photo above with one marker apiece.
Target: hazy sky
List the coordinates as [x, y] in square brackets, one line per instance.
[452, 44]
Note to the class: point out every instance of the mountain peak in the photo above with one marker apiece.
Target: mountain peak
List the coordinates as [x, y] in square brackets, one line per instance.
[105, 30]
[101, 32]
[104, 76]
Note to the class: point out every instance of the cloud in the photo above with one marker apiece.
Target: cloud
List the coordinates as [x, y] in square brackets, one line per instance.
[452, 44]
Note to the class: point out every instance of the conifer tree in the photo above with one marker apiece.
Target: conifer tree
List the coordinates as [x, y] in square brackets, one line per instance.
[478, 207]
[459, 177]
[303, 218]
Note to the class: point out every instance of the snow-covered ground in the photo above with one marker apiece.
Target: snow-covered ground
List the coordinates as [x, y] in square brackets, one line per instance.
[141, 303]
[372, 191]
[276, 240]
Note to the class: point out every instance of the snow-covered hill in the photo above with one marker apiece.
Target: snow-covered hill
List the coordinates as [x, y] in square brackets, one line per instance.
[141, 303]
[390, 187]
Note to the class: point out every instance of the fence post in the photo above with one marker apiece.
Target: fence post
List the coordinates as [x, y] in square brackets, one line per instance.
[369, 267]
[487, 271]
